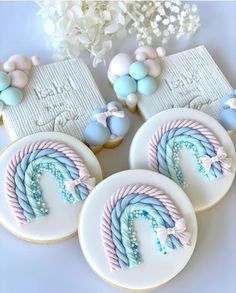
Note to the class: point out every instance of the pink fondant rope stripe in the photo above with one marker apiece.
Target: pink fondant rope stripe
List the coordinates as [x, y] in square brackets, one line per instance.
[154, 140]
[106, 216]
[11, 170]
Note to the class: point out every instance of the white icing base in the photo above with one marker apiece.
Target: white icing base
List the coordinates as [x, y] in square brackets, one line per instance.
[61, 222]
[202, 192]
[156, 269]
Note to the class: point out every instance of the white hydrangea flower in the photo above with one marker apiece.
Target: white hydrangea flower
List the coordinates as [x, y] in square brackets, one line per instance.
[78, 25]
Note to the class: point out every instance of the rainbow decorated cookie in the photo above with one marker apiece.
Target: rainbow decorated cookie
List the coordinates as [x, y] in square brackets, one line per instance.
[107, 128]
[144, 227]
[190, 148]
[135, 74]
[46, 178]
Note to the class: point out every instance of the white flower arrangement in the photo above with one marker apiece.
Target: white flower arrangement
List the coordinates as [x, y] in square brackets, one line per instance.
[74, 26]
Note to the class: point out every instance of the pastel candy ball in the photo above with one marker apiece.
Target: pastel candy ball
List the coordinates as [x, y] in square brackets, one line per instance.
[147, 51]
[132, 100]
[9, 66]
[21, 62]
[124, 86]
[161, 52]
[35, 60]
[228, 119]
[5, 80]
[120, 64]
[154, 68]
[18, 78]
[96, 134]
[98, 110]
[118, 126]
[11, 96]
[140, 56]
[138, 70]
[147, 86]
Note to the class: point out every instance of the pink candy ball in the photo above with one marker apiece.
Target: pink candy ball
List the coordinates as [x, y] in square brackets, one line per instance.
[35, 60]
[154, 68]
[120, 64]
[21, 62]
[18, 79]
[161, 52]
[147, 51]
[1, 66]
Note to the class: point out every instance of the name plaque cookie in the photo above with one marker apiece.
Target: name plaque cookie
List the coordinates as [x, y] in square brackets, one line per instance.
[59, 97]
[189, 79]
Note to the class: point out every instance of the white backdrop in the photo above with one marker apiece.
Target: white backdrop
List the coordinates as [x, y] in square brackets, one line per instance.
[26, 267]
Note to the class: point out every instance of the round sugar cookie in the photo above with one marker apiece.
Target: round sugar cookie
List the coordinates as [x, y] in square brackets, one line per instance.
[189, 147]
[45, 178]
[137, 230]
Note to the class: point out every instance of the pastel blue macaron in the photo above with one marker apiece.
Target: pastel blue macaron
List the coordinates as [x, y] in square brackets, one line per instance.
[138, 70]
[125, 85]
[5, 80]
[147, 85]
[96, 134]
[11, 96]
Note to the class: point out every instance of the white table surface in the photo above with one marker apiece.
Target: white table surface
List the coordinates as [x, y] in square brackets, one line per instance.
[26, 267]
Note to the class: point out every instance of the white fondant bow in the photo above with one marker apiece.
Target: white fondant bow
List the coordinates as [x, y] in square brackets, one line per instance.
[220, 157]
[179, 230]
[231, 103]
[112, 111]
[85, 178]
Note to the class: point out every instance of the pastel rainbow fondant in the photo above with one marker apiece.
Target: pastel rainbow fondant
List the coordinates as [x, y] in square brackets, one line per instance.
[123, 208]
[168, 140]
[25, 168]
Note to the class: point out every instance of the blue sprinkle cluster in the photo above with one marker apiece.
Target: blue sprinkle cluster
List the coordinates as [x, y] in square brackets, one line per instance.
[132, 234]
[38, 171]
[176, 158]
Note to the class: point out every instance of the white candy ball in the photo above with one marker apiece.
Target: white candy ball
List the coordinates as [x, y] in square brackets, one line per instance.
[161, 52]
[154, 68]
[140, 56]
[132, 100]
[9, 66]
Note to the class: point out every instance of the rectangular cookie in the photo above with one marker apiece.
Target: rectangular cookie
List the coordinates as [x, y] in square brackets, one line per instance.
[59, 97]
[189, 79]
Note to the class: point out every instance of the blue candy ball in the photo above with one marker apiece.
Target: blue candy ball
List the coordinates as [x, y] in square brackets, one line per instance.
[228, 119]
[138, 70]
[5, 80]
[124, 86]
[147, 85]
[96, 134]
[98, 110]
[118, 126]
[11, 96]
